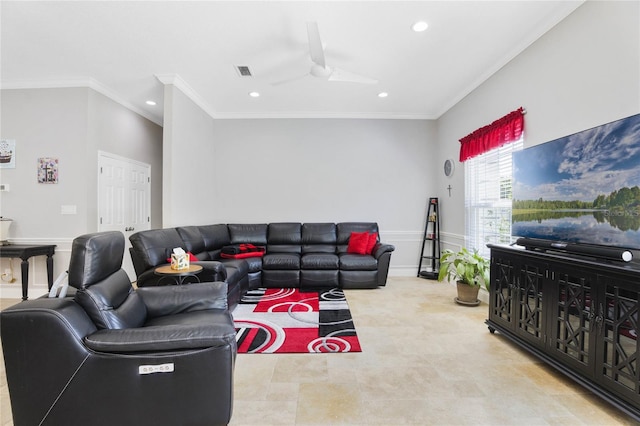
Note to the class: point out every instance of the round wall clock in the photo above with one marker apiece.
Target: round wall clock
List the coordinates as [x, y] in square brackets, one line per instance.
[448, 167]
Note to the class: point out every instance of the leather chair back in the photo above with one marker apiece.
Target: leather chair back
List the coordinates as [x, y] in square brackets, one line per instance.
[103, 287]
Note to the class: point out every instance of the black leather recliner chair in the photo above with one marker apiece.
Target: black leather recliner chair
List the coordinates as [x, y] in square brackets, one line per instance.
[113, 355]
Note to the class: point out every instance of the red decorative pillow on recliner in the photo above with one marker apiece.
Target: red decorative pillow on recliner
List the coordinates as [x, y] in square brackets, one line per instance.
[358, 242]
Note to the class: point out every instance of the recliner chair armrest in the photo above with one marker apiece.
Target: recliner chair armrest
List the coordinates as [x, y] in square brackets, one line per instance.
[46, 315]
[171, 300]
[381, 248]
[172, 337]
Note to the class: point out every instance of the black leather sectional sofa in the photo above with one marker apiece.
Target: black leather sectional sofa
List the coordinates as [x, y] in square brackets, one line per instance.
[305, 255]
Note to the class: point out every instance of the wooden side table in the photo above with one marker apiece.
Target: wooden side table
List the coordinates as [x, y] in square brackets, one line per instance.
[24, 252]
[178, 275]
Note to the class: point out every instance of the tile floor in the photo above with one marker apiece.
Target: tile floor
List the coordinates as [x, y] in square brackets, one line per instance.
[425, 361]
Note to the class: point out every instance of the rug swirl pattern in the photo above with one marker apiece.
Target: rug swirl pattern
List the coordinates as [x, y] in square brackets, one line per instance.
[290, 320]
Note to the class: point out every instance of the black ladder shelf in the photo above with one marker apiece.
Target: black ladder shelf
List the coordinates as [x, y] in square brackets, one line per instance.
[430, 261]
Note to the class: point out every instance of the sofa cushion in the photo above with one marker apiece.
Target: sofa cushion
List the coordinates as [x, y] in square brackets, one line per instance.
[215, 236]
[252, 233]
[154, 246]
[345, 229]
[192, 237]
[358, 262]
[284, 237]
[283, 261]
[319, 261]
[319, 238]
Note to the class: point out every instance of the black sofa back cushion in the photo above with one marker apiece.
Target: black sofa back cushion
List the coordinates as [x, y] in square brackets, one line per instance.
[284, 237]
[194, 241]
[319, 238]
[346, 228]
[154, 246]
[253, 233]
[215, 237]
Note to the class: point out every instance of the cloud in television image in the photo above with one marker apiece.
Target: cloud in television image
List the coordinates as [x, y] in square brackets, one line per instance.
[582, 188]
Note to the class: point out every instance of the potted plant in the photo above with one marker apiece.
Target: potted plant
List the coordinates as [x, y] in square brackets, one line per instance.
[470, 271]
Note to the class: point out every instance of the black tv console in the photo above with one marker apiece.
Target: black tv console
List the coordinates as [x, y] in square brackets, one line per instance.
[577, 314]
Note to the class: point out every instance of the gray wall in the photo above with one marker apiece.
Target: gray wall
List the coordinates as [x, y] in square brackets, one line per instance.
[321, 170]
[71, 124]
[583, 73]
[189, 187]
[329, 170]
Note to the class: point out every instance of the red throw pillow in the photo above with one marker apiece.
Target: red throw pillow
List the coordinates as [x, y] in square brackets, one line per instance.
[373, 239]
[358, 242]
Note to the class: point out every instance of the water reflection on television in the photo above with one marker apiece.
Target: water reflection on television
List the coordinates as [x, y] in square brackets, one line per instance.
[582, 188]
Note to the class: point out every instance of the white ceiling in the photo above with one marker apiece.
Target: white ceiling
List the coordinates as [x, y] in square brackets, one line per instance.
[123, 49]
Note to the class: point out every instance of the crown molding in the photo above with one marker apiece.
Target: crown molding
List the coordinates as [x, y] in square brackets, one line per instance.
[183, 86]
[334, 115]
[80, 83]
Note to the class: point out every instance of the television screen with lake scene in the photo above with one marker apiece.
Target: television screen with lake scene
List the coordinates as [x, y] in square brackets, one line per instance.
[583, 188]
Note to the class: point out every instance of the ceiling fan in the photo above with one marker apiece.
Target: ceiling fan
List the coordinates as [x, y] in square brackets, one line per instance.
[320, 69]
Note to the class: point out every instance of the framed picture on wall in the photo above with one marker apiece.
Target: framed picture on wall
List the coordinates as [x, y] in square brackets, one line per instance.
[7, 153]
[47, 170]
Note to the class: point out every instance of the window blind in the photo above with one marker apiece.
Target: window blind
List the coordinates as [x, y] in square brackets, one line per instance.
[488, 195]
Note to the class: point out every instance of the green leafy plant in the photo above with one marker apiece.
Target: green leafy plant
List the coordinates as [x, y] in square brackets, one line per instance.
[464, 266]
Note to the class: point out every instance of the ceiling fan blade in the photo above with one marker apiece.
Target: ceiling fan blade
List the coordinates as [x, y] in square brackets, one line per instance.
[346, 76]
[315, 44]
[289, 80]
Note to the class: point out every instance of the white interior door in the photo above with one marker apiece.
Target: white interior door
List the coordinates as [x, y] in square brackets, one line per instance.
[124, 199]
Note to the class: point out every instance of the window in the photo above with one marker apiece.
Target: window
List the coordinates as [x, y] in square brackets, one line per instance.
[488, 194]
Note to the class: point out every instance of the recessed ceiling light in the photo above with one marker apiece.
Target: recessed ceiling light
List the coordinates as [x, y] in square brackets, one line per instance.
[383, 94]
[152, 103]
[419, 26]
[254, 94]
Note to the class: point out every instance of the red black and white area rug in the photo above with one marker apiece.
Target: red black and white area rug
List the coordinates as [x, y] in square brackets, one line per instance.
[290, 320]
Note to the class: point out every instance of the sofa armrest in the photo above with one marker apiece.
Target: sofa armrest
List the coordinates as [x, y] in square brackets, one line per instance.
[379, 249]
[212, 270]
[205, 334]
[171, 300]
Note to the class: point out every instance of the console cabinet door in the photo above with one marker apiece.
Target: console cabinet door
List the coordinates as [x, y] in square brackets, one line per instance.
[572, 318]
[530, 322]
[502, 290]
[618, 365]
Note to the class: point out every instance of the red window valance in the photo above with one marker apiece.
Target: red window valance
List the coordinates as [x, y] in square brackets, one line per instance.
[502, 131]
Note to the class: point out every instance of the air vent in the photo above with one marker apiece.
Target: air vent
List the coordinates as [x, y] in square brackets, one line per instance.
[243, 70]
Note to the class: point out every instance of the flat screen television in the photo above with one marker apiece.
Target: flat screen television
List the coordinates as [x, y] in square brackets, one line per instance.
[581, 189]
